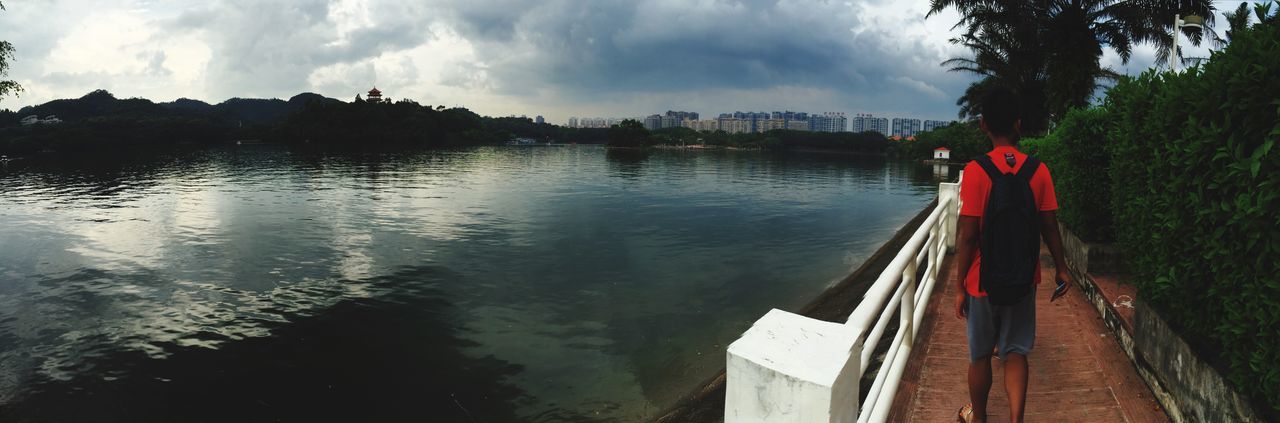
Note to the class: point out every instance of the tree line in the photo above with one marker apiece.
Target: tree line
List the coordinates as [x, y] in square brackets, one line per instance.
[99, 122]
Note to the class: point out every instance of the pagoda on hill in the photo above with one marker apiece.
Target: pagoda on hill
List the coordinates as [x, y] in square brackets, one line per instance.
[375, 96]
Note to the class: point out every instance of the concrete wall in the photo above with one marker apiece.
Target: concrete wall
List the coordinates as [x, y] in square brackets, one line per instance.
[1196, 389]
[1085, 257]
[1189, 389]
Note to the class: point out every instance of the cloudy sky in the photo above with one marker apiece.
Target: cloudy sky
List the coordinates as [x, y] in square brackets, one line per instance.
[556, 58]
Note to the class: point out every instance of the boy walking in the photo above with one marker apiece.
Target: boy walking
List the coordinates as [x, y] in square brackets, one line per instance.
[1007, 205]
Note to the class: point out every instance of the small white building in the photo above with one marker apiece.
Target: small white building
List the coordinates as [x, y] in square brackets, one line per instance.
[33, 120]
[942, 153]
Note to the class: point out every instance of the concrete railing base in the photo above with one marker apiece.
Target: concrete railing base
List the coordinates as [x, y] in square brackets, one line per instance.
[791, 368]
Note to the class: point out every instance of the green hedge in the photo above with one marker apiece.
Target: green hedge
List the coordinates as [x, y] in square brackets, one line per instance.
[1084, 192]
[1196, 201]
[1076, 154]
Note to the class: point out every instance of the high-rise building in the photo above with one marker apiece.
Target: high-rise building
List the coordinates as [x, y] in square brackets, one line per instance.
[765, 125]
[539, 120]
[735, 125]
[829, 122]
[682, 115]
[930, 125]
[906, 127]
[670, 121]
[709, 125]
[864, 122]
[653, 122]
[753, 117]
[789, 116]
[597, 122]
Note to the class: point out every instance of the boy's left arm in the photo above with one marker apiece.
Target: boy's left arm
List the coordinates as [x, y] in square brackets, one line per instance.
[966, 243]
[1053, 238]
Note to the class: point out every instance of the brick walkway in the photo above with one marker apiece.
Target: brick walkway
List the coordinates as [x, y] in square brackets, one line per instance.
[1078, 371]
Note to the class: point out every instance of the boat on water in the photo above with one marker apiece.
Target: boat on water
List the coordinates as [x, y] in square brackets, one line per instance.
[522, 141]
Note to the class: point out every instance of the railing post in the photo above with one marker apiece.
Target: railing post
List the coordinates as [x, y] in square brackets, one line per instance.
[950, 192]
[908, 301]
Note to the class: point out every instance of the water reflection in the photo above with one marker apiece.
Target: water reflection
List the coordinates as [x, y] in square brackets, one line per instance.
[571, 283]
[391, 353]
[626, 163]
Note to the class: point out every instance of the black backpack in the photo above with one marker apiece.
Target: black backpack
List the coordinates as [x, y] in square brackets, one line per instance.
[1010, 240]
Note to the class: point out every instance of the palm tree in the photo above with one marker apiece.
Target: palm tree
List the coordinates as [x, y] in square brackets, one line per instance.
[1009, 55]
[1239, 19]
[1061, 42]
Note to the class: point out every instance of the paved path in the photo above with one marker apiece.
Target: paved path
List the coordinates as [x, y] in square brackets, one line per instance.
[1078, 371]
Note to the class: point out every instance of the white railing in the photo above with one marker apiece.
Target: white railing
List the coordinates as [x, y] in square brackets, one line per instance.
[790, 368]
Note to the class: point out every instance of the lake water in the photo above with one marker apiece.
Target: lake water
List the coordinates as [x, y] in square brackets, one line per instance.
[550, 283]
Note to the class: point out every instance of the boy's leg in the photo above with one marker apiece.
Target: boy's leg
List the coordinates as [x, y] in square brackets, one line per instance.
[981, 330]
[1017, 338]
[1015, 384]
[980, 387]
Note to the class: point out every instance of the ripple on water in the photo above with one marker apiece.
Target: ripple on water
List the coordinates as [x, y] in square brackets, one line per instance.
[500, 284]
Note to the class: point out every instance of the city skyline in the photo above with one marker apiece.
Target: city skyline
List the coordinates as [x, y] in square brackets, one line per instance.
[574, 121]
[605, 58]
[753, 122]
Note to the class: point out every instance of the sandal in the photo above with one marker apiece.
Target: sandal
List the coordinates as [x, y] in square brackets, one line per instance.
[965, 415]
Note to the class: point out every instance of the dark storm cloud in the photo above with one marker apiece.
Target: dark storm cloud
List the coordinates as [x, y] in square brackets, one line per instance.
[590, 48]
[561, 55]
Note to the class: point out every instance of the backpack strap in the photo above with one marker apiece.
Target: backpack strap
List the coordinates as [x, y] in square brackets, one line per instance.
[989, 166]
[1029, 167]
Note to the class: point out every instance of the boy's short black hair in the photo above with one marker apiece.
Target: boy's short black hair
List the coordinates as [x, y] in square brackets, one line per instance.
[1000, 109]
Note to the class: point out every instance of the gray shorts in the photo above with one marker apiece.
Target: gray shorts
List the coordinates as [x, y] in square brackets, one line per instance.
[1011, 327]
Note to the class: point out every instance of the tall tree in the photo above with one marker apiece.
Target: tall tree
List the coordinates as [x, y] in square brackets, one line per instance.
[1237, 20]
[1005, 54]
[6, 54]
[1052, 49]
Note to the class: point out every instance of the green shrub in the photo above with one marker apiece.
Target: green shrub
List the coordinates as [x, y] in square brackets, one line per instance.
[965, 139]
[1034, 145]
[1080, 162]
[1196, 201]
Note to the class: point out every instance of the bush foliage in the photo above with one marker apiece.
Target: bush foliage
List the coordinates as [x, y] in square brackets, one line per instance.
[1076, 154]
[1195, 180]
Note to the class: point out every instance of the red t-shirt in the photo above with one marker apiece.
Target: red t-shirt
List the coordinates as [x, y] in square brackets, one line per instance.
[975, 187]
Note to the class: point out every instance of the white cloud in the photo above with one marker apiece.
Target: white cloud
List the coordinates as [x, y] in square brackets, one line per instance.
[555, 58]
[933, 92]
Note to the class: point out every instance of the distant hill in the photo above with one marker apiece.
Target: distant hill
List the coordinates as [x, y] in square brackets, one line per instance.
[188, 104]
[305, 98]
[102, 104]
[94, 104]
[260, 111]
